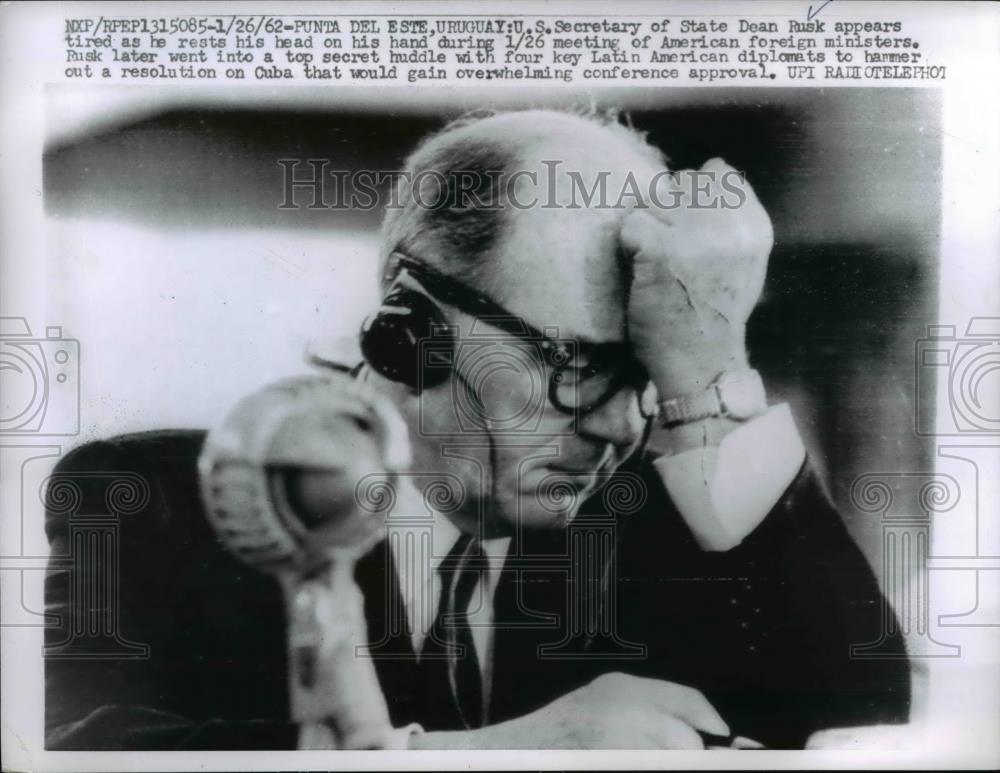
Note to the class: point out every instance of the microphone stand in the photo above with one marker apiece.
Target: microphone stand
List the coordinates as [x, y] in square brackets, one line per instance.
[335, 694]
[321, 427]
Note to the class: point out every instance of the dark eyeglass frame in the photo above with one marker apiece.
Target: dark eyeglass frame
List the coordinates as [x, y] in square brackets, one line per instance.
[453, 292]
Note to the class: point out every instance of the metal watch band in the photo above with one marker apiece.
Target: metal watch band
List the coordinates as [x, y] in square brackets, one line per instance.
[683, 410]
[737, 395]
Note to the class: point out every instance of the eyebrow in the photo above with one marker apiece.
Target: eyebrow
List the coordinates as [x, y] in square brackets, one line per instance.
[479, 305]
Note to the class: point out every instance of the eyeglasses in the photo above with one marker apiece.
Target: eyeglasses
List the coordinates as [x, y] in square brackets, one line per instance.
[582, 376]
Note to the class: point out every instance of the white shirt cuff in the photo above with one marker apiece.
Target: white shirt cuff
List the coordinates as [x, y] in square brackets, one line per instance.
[724, 492]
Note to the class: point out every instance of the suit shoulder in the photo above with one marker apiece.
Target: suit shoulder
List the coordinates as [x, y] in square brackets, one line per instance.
[151, 472]
[133, 450]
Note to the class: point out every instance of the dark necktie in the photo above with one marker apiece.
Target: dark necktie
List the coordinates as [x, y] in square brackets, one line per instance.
[448, 656]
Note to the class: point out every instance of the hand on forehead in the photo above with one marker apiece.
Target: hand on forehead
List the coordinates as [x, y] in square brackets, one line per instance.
[558, 260]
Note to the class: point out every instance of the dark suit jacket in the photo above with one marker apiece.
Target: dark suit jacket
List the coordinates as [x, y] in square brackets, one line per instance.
[164, 641]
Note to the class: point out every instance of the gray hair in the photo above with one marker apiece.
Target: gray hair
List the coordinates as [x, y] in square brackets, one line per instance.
[468, 172]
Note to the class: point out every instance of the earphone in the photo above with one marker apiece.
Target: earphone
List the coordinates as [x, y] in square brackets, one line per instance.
[391, 339]
[391, 346]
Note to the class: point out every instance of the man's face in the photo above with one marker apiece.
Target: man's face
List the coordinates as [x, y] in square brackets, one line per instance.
[521, 460]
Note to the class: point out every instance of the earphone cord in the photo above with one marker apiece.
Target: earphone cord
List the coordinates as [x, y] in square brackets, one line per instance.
[489, 435]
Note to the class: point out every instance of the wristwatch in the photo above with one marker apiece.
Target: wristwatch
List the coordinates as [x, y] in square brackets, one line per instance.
[735, 395]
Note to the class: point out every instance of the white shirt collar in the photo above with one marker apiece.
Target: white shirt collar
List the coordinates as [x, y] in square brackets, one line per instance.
[422, 583]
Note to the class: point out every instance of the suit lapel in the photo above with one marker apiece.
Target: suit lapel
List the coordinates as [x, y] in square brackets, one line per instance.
[530, 614]
[390, 644]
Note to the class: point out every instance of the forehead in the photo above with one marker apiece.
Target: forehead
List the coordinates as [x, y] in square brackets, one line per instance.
[557, 262]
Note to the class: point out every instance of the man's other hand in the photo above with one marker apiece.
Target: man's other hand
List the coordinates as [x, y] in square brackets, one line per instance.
[698, 266]
[615, 711]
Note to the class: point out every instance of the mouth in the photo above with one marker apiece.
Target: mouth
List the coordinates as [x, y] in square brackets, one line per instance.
[582, 477]
[575, 471]
[590, 468]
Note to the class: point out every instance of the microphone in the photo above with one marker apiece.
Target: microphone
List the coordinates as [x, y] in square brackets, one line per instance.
[278, 479]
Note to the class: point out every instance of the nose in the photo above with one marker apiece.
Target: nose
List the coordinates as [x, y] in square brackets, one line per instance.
[619, 421]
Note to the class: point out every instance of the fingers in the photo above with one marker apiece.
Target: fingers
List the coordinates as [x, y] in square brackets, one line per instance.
[684, 703]
[688, 704]
[715, 242]
[727, 186]
[715, 186]
[698, 188]
[639, 230]
[658, 254]
[742, 742]
[672, 733]
[618, 711]
[648, 242]
[734, 193]
[667, 196]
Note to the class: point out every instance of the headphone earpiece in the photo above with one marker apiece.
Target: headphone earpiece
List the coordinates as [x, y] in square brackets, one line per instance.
[391, 340]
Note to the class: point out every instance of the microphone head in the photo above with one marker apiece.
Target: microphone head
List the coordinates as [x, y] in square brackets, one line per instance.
[278, 475]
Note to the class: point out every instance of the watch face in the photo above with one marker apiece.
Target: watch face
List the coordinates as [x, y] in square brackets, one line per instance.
[742, 395]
